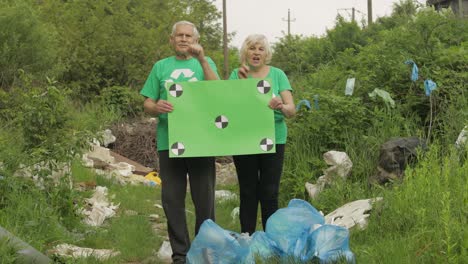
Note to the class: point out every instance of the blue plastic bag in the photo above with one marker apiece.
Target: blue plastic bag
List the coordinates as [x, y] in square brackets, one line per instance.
[302, 102]
[216, 245]
[261, 246]
[297, 230]
[289, 227]
[330, 243]
[429, 86]
[414, 71]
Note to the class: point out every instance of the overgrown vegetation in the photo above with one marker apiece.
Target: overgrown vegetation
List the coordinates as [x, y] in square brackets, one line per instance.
[71, 68]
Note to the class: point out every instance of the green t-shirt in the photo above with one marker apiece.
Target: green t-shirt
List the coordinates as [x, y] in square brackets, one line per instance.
[280, 82]
[170, 70]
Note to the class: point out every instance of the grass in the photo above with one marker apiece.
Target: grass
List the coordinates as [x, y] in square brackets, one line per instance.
[421, 220]
[7, 252]
[426, 213]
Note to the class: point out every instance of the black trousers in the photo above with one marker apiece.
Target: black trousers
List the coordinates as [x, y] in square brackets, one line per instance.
[259, 179]
[202, 176]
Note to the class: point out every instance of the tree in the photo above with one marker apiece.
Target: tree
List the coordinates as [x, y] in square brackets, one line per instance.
[25, 44]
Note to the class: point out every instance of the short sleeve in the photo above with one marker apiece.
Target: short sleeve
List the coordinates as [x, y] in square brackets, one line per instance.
[151, 87]
[283, 81]
[213, 66]
[234, 75]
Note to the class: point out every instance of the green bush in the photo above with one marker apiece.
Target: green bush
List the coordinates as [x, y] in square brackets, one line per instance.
[427, 211]
[123, 100]
[314, 132]
[26, 43]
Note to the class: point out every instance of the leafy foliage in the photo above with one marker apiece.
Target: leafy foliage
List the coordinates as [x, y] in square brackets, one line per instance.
[70, 68]
[123, 100]
[106, 43]
[25, 43]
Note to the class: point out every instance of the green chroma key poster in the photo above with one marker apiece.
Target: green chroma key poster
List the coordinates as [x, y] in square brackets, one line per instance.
[220, 118]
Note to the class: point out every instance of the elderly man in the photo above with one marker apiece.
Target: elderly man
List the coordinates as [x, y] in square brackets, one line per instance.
[189, 63]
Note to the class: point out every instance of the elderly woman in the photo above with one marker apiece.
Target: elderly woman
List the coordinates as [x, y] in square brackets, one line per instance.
[259, 174]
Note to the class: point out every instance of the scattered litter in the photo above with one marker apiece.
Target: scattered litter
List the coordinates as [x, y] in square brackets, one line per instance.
[429, 86]
[153, 178]
[341, 166]
[131, 212]
[224, 195]
[165, 252]
[462, 138]
[160, 226]
[100, 208]
[87, 162]
[216, 245]
[350, 86]
[351, 214]
[67, 250]
[303, 102]
[134, 179]
[122, 168]
[84, 186]
[54, 171]
[313, 189]
[384, 95]
[298, 230]
[395, 155]
[414, 70]
[101, 154]
[340, 163]
[235, 214]
[106, 138]
[154, 217]
[158, 206]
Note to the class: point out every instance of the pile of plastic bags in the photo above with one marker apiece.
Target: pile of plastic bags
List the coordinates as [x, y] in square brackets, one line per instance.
[298, 231]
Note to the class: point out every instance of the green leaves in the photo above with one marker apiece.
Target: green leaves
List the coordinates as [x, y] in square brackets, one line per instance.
[25, 43]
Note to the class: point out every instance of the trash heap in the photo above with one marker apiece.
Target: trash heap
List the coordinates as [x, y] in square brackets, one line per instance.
[297, 231]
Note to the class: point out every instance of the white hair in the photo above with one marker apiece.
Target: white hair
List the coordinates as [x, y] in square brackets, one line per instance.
[252, 40]
[196, 35]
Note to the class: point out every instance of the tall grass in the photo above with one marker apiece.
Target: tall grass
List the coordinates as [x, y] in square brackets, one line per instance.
[422, 220]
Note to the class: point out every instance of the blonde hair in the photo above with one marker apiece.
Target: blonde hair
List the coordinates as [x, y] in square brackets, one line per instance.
[253, 40]
[196, 35]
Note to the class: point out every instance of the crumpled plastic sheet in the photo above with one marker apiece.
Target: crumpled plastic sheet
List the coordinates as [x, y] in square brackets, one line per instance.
[67, 250]
[101, 208]
[384, 95]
